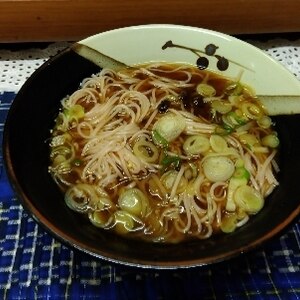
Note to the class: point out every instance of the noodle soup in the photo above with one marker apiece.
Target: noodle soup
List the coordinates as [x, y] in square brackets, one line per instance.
[164, 152]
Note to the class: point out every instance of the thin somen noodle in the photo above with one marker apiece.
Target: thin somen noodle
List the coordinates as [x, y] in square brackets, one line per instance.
[164, 152]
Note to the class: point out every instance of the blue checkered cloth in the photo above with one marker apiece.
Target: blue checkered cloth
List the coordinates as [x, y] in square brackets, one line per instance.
[33, 265]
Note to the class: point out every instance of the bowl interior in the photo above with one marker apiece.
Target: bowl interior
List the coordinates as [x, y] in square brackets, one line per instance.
[26, 154]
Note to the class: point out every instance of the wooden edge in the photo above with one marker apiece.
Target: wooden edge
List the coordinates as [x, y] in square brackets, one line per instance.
[40, 20]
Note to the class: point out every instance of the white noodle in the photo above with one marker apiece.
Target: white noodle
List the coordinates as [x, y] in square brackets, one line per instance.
[120, 110]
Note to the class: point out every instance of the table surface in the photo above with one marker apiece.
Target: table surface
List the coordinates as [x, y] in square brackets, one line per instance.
[33, 265]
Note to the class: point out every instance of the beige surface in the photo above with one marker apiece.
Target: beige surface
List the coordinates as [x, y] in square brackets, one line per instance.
[46, 20]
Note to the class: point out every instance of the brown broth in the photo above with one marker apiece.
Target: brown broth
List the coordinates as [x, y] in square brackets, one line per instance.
[156, 227]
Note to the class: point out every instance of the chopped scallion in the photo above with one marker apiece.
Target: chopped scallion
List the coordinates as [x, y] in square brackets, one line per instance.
[159, 140]
[170, 161]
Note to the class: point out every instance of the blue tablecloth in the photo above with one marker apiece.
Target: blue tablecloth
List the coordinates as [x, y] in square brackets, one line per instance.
[33, 265]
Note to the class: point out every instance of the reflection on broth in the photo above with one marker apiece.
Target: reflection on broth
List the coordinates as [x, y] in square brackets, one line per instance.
[164, 152]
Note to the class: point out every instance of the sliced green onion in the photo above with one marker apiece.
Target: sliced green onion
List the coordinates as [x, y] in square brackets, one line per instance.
[218, 168]
[251, 110]
[169, 126]
[191, 171]
[65, 150]
[229, 222]
[248, 139]
[124, 222]
[146, 151]
[98, 218]
[59, 140]
[264, 122]
[232, 120]
[223, 130]
[159, 140]
[234, 100]
[239, 163]
[235, 118]
[221, 106]
[196, 144]
[133, 201]
[235, 88]
[170, 161]
[80, 197]
[168, 179]
[74, 112]
[241, 172]
[205, 90]
[234, 183]
[248, 199]
[218, 143]
[270, 140]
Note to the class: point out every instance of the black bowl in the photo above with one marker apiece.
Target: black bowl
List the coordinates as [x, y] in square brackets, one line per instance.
[26, 156]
